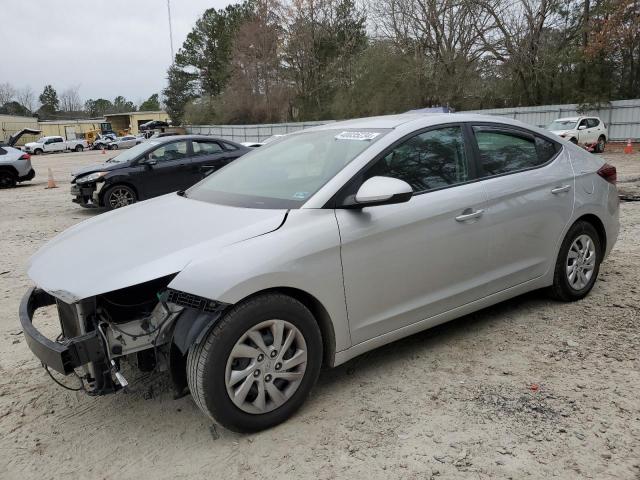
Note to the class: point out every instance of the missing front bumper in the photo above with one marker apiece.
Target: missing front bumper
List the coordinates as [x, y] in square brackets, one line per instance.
[62, 356]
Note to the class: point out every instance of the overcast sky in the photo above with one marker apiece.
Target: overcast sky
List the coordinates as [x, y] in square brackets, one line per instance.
[108, 48]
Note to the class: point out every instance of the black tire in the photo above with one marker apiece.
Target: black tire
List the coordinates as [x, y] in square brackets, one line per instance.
[79, 148]
[206, 362]
[600, 146]
[574, 141]
[38, 151]
[7, 179]
[113, 147]
[562, 289]
[111, 196]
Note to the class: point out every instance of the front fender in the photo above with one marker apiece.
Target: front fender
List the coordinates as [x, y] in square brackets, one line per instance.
[303, 254]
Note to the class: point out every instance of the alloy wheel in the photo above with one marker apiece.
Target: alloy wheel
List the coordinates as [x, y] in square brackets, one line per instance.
[266, 366]
[121, 197]
[581, 262]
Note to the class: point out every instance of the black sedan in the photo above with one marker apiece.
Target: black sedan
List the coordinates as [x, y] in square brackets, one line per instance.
[152, 168]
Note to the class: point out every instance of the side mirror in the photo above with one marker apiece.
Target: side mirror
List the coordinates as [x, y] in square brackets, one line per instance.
[582, 127]
[150, 161]
[382, 191]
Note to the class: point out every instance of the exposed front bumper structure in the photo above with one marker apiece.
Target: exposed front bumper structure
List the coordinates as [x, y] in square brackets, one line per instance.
[86, 195]
[65, 355]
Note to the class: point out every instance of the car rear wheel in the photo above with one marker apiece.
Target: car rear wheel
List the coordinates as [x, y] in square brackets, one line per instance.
[119, 196]
[7, 179]
[258, 364]
[600, 146]
[578, 263]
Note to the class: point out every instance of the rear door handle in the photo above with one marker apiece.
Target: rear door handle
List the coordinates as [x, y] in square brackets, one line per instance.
[469, 216]
[562, 189]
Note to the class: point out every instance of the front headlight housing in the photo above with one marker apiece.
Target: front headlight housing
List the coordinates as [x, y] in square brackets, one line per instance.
[92, 177]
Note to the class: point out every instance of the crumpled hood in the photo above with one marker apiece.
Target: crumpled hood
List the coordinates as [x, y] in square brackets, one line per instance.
[142, 242]
[99, 167]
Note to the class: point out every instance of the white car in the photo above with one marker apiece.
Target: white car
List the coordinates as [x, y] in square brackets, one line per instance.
[15, 166]
[317, 248]
[127, 141]
[589, 132]
[55, 143]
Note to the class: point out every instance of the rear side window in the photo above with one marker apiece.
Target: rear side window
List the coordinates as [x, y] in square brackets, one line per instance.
[505, 152]
[428, 161]
[229, 146]
[593, 122]
[205, 148]
[546, 149]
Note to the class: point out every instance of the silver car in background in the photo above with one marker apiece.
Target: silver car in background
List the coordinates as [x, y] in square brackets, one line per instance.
[318, 247]
[126, 141]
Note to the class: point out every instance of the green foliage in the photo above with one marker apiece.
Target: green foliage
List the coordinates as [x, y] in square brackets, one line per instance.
[98, 107]
[122, 105]
[150, 104]
[15, 108]
[49, 100]
[180, 90]
[276, 60]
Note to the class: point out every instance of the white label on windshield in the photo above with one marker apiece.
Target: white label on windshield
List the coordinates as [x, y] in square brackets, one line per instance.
[357, 135]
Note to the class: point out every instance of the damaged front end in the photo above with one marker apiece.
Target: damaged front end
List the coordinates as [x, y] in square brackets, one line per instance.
[148, 325]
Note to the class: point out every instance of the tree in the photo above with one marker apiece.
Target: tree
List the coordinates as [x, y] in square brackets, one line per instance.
[98, 107]
[49, 100]
[207, 48]
[27, 98]
[150, 104]
[70, 100]
[180, 90]
[14, 108]
[122, 105]
[7, 93]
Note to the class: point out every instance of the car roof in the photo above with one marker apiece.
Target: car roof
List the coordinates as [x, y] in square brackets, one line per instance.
[568, 119]
[418, 120]
[170, 138]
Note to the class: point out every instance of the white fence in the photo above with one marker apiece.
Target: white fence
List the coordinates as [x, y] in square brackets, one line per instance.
[621, 116]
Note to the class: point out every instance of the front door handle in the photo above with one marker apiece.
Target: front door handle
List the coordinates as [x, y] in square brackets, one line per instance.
[469, 216]
[562, 189]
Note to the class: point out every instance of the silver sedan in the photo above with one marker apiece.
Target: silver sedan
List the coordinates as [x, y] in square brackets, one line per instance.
[127, 141]
[318, 247]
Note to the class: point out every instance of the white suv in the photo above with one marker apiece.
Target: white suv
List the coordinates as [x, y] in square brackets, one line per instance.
[590, 132]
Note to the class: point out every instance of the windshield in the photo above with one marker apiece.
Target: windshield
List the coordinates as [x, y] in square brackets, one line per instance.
[133, 152]
[562, 125]
[41, 140]
[287, 172]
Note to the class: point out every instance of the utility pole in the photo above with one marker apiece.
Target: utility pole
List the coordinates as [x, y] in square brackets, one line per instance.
[170, 30]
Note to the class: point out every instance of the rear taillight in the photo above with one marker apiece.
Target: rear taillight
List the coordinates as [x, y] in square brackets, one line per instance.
[25, 156]
[608, 172]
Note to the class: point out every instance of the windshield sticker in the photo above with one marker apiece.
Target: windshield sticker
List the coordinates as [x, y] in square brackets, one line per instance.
[357, 135]
[300, 195]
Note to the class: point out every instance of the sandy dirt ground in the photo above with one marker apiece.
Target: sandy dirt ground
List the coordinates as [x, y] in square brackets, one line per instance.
[454, 402]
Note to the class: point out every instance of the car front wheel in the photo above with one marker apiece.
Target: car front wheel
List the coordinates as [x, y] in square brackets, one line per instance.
[578, 263]
[258, 364]
[119, 196]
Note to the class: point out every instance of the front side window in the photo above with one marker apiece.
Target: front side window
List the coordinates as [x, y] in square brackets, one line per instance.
[205, 148]
[286, 173]
[505, 151]
[428, 161]
[170, 151]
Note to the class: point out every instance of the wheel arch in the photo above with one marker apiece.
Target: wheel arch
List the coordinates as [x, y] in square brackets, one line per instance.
[10, 169]
[595, 221]
[106, 188]
[318, 311]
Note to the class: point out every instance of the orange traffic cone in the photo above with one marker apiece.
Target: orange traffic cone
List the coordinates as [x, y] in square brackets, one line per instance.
[629, 147]
[51, 183]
